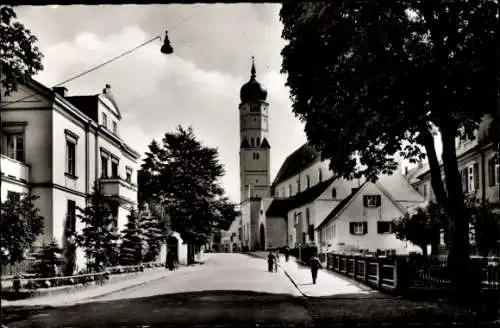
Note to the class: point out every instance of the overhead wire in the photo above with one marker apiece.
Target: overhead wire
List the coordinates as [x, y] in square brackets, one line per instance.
[123, 54]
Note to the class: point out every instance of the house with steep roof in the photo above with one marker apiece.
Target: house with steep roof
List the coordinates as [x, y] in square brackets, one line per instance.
[363, 219]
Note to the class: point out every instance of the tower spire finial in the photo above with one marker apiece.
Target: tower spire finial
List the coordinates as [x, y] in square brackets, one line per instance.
[252, 71]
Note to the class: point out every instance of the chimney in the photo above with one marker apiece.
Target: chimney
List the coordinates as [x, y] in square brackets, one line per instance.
[62, 91]
[107, 90]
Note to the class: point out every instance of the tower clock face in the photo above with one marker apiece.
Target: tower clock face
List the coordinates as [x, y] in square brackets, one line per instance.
[254, 108]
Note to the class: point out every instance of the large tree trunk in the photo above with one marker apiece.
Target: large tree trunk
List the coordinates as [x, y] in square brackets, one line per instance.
[452, 200]
[458, 256]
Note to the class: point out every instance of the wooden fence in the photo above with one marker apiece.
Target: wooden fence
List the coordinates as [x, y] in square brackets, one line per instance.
[401, 274]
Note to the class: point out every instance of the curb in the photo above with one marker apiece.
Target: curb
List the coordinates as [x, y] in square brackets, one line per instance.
[295, 284]
[122, 289]
[134, 286]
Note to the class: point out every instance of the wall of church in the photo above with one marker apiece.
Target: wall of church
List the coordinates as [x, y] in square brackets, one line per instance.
[276, 232]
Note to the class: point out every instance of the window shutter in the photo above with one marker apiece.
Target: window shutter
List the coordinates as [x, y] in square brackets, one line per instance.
[379, 200]
[365, 228]
[365, 201]
[351, 228]
[491, 173]
[476, 176]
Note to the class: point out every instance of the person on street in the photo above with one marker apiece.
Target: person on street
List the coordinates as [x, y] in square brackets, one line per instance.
[315, 264]
[270, 261]
[287, 254]
[170, 261]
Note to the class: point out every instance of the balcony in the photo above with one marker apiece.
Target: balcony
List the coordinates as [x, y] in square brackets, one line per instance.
[120, 190]
[14, 169]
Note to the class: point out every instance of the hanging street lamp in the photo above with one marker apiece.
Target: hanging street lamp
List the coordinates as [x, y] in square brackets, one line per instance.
[167, 47]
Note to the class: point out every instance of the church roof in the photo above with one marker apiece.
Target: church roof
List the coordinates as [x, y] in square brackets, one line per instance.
[265, 144]
[300, 159]
[244, 143]
[280, 207]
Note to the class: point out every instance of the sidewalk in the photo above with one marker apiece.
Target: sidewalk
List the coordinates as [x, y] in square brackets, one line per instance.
[328, 284]
[81, 295]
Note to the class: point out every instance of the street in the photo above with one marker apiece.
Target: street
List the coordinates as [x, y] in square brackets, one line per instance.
[227, 288]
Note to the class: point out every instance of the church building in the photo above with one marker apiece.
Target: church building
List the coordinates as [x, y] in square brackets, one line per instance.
[306, 201]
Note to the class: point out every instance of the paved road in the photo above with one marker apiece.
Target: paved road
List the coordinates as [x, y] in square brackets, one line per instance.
[228, 288]
[222, 272]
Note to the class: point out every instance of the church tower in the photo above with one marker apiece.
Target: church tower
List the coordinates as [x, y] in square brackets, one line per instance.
[254, 144]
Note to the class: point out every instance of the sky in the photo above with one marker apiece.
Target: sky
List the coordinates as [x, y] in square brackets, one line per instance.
[197, 86]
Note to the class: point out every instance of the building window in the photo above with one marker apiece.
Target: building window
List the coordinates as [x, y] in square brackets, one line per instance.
[358, 228]
[114, 168]
[290, 190]
[258, 142]
[371, 200]
[470, 178]
[115, 127]
[71, 217]
[70, 157]
[252, 142]
[283, 192]
[308, 181]
[334, 193]
[104, 166]
[298, 185]
[105, 120]
[320, 176]
[13, 196]
[493, 170]
[384, 227]
[255, 155]
[15, 146]
[128, 176]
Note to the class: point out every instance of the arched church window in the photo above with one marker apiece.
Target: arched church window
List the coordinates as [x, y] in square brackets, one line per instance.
[290, 190]
[320, 175]
[258, 142]
[334, 193]
[308, 181]
[252, 142]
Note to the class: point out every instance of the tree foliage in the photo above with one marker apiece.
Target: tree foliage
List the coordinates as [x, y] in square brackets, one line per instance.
[422, 228]
[20, 224]
[382, 77]
[19, 55]
[131, 248]
[48, 259]
[183, 175]
[154, 235]
[99, 237]
[485, 226]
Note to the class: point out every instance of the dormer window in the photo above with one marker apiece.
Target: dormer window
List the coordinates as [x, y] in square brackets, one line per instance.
[115, 127]
[105, 120]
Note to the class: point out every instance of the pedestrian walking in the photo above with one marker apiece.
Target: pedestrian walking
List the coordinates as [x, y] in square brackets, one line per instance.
[287, 254]
[315, 264]
[170, 261]
[270, 261]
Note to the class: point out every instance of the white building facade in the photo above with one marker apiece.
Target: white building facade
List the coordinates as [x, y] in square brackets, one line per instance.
[59, 147]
